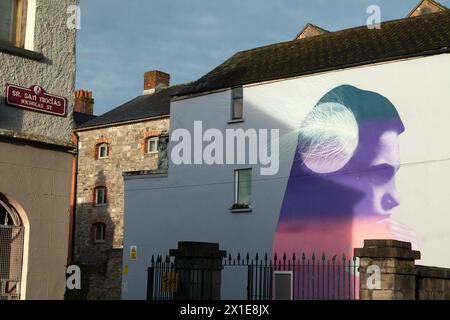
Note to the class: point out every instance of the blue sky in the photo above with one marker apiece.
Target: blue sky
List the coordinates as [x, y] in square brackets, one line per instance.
[120, 40]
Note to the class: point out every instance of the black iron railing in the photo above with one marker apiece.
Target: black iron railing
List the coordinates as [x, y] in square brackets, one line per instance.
[313, 278]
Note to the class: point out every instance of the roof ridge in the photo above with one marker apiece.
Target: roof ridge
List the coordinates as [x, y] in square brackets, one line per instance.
[121, 113]
[400, 38]
[145, 95]
[331, 33]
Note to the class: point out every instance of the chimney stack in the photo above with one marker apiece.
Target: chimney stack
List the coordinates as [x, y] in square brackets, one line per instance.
[155, 80]
[84, 103]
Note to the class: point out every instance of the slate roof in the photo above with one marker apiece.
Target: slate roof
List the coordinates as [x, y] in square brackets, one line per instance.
[142, 107]
[80, 118]
[409, 37]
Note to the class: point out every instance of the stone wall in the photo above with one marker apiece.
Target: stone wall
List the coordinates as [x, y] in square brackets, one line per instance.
[387, 272]
[432, 283]
[127, 152]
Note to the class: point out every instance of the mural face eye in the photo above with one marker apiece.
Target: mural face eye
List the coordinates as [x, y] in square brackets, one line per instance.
[381, 174]
[328, 137]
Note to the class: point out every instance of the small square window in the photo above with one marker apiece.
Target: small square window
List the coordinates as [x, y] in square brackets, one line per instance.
[102, 151]
[100, 196]
[237, 103]
[242, 189]
[152, 145]
[13, 21]
[98, 231]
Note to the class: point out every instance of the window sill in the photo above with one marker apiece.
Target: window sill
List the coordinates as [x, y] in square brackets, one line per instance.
[100, 205]
[99, 242]
[236, 121]
[21, 52]
[241, 210]
[151, 153]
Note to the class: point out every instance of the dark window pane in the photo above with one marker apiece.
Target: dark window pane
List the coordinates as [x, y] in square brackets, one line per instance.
[103, 152]
[101, 195]
[6, 20]
[237, 100]
[238, 93]
[99, 232]
[238, 109]
[152, 145]
[244, 187]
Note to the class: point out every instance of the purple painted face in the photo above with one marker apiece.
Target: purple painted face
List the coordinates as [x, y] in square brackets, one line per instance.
[342, 187]
[377, 180]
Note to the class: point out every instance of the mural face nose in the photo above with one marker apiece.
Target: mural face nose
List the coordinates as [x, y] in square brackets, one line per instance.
[389, 201]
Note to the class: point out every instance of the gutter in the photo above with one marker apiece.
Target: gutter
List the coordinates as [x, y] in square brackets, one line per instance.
[73, 211]
[37, 140]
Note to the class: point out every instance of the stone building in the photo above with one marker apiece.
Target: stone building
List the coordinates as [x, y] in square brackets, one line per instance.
[37, 82]
[131, 137]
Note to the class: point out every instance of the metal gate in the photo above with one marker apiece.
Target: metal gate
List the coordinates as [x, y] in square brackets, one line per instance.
[314, 278]
[11, 255]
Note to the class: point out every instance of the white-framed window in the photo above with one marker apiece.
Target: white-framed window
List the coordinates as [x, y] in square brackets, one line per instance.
[98, 232]
[13, 21]
[242, 188]
[100, 196]
[152, 145]
[237, 103]
[102, 150]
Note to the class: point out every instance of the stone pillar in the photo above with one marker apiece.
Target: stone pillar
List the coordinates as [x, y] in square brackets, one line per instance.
[392, 263]
[199, 266]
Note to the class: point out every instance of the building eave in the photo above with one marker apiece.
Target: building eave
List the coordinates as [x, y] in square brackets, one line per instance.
[122, 123]
[37, 140]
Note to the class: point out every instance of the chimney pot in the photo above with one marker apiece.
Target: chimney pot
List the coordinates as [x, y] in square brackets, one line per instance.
[84, 103]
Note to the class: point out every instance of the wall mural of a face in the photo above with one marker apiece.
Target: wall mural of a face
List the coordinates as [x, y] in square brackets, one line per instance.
[341, 188]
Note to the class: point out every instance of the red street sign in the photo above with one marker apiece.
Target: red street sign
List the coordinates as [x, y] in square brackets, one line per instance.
[35, 98]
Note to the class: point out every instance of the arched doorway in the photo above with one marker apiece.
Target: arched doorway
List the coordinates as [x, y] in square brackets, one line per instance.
[12, 234]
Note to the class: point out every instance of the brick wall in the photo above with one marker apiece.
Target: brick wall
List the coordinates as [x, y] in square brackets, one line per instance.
[127, 152]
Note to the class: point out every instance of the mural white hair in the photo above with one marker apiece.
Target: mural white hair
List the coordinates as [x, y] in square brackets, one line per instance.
[328, 137]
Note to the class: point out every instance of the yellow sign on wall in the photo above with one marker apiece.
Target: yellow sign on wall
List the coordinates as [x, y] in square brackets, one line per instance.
[133, 253]
[169, 282]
